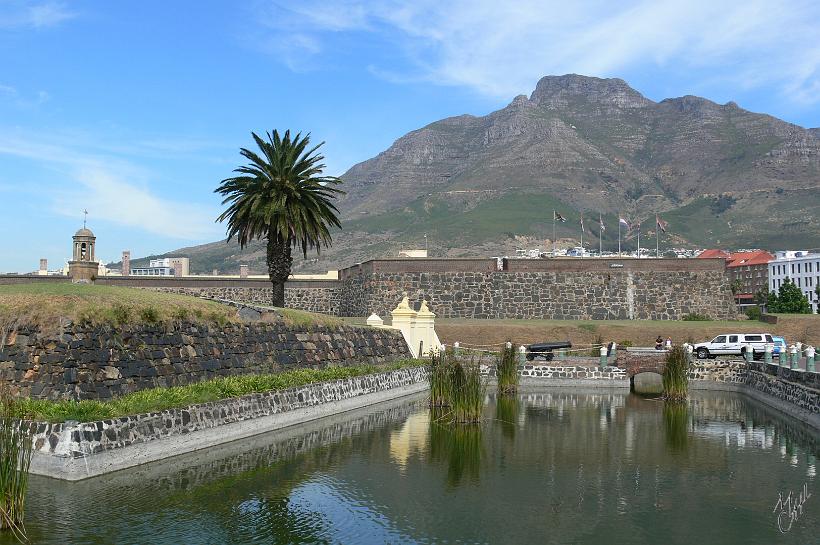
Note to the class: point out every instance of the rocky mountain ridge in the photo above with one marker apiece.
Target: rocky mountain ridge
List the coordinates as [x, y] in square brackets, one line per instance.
[484, 185]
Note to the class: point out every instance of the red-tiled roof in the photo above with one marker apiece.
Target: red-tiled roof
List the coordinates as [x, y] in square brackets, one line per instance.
[736, 259]
[740, 259]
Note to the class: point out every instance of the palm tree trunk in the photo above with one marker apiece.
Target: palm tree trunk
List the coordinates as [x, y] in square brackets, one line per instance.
[279, 263]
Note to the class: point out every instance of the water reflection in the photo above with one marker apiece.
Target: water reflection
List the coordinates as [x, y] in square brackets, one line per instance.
[506, 413]
[564, 466]
[458, 446]
[676, 425]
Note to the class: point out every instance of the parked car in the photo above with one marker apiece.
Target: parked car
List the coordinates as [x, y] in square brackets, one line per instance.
[545, 349]
[734, 344]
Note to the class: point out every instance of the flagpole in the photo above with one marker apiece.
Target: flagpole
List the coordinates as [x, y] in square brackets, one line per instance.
[619, 234]
[657, 239]
[582, 236]
[553, 232]
[639, 240]
[600, 237]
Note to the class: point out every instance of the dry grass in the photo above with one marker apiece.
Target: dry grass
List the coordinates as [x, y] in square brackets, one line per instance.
[44, 305]
[639, 332]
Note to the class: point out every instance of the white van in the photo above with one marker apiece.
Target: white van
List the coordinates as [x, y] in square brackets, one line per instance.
[733, 344]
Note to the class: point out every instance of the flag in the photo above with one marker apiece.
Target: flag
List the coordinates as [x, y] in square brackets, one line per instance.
[623, 222]
[662, 225]
[601, 223]
[557, 216]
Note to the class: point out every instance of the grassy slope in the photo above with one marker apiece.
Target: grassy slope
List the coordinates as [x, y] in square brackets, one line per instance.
[159, 399]
[45, 304]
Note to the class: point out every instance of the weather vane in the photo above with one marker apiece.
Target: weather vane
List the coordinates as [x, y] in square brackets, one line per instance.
[85, 217]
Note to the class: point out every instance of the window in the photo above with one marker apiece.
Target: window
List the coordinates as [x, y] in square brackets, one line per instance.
[732, 338]
[798, 268]
[792, 268]
[753, 338]
[719, 339]
[769, 339]
[798, 283]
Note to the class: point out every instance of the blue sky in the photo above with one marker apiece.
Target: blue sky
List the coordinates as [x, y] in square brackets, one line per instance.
[137, 110]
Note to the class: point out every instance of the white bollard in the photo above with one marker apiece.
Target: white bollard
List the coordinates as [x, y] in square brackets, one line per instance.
[522, 355]
[508, 345]
[767, 354]
[603, 356]
[457, 348]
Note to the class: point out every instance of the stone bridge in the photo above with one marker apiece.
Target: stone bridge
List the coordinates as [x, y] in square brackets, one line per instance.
[641, 362]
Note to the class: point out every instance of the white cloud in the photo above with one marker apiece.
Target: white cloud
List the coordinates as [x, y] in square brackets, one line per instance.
[501, 48]
[112, 189]
[28, 14]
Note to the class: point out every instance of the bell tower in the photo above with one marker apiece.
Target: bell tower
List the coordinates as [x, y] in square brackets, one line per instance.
[83, 267]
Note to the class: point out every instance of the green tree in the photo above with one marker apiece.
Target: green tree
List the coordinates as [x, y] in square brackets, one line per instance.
[736, 286]
[789, 299]
[762, 296]
[282, 197]
[817, 296]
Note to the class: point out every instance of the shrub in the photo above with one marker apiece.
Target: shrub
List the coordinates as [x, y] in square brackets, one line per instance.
[440, 379]
[626, 343]
[695, 317]
[466, 393]
[149, 315]
[753, 312]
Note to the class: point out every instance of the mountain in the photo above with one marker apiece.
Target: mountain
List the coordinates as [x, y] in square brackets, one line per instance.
[719, 174]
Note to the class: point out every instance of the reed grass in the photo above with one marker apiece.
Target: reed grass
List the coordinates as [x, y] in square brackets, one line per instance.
[15, 460]
[675, 375]
[440, 379]
[159, 399]
[467, 393]
[507, 371]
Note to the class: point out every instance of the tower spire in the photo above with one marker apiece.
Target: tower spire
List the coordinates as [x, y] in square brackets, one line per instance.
[85, 217]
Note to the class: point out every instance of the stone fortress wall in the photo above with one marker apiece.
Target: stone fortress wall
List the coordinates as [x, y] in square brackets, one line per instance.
[582, 289]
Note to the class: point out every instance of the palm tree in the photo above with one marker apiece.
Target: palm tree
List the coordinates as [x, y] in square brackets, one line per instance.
[281, 196]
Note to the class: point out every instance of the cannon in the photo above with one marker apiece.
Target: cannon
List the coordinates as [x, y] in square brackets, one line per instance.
[545, 350]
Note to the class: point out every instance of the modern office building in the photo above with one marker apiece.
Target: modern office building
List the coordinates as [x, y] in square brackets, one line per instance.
[801, 267]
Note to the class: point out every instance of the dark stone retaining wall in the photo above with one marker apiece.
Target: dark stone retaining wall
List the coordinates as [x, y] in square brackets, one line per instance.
[795, 388]
[81, 439]
[102, 362]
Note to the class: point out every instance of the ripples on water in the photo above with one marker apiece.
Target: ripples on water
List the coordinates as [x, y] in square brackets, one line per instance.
[552, 467]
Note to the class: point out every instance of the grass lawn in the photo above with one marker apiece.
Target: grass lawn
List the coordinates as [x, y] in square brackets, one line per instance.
[44, 304]
[805, 328]
[159, 399]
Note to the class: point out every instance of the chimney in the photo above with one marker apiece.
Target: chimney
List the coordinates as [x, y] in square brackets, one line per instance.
[43, 266]
[126, 263]
[243, 271]
[177, 268]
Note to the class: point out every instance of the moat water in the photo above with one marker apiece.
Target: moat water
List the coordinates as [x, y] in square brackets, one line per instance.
[545, 467]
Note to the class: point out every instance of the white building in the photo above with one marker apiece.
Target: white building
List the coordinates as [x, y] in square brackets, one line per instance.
[801, 267]
[169, 266]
